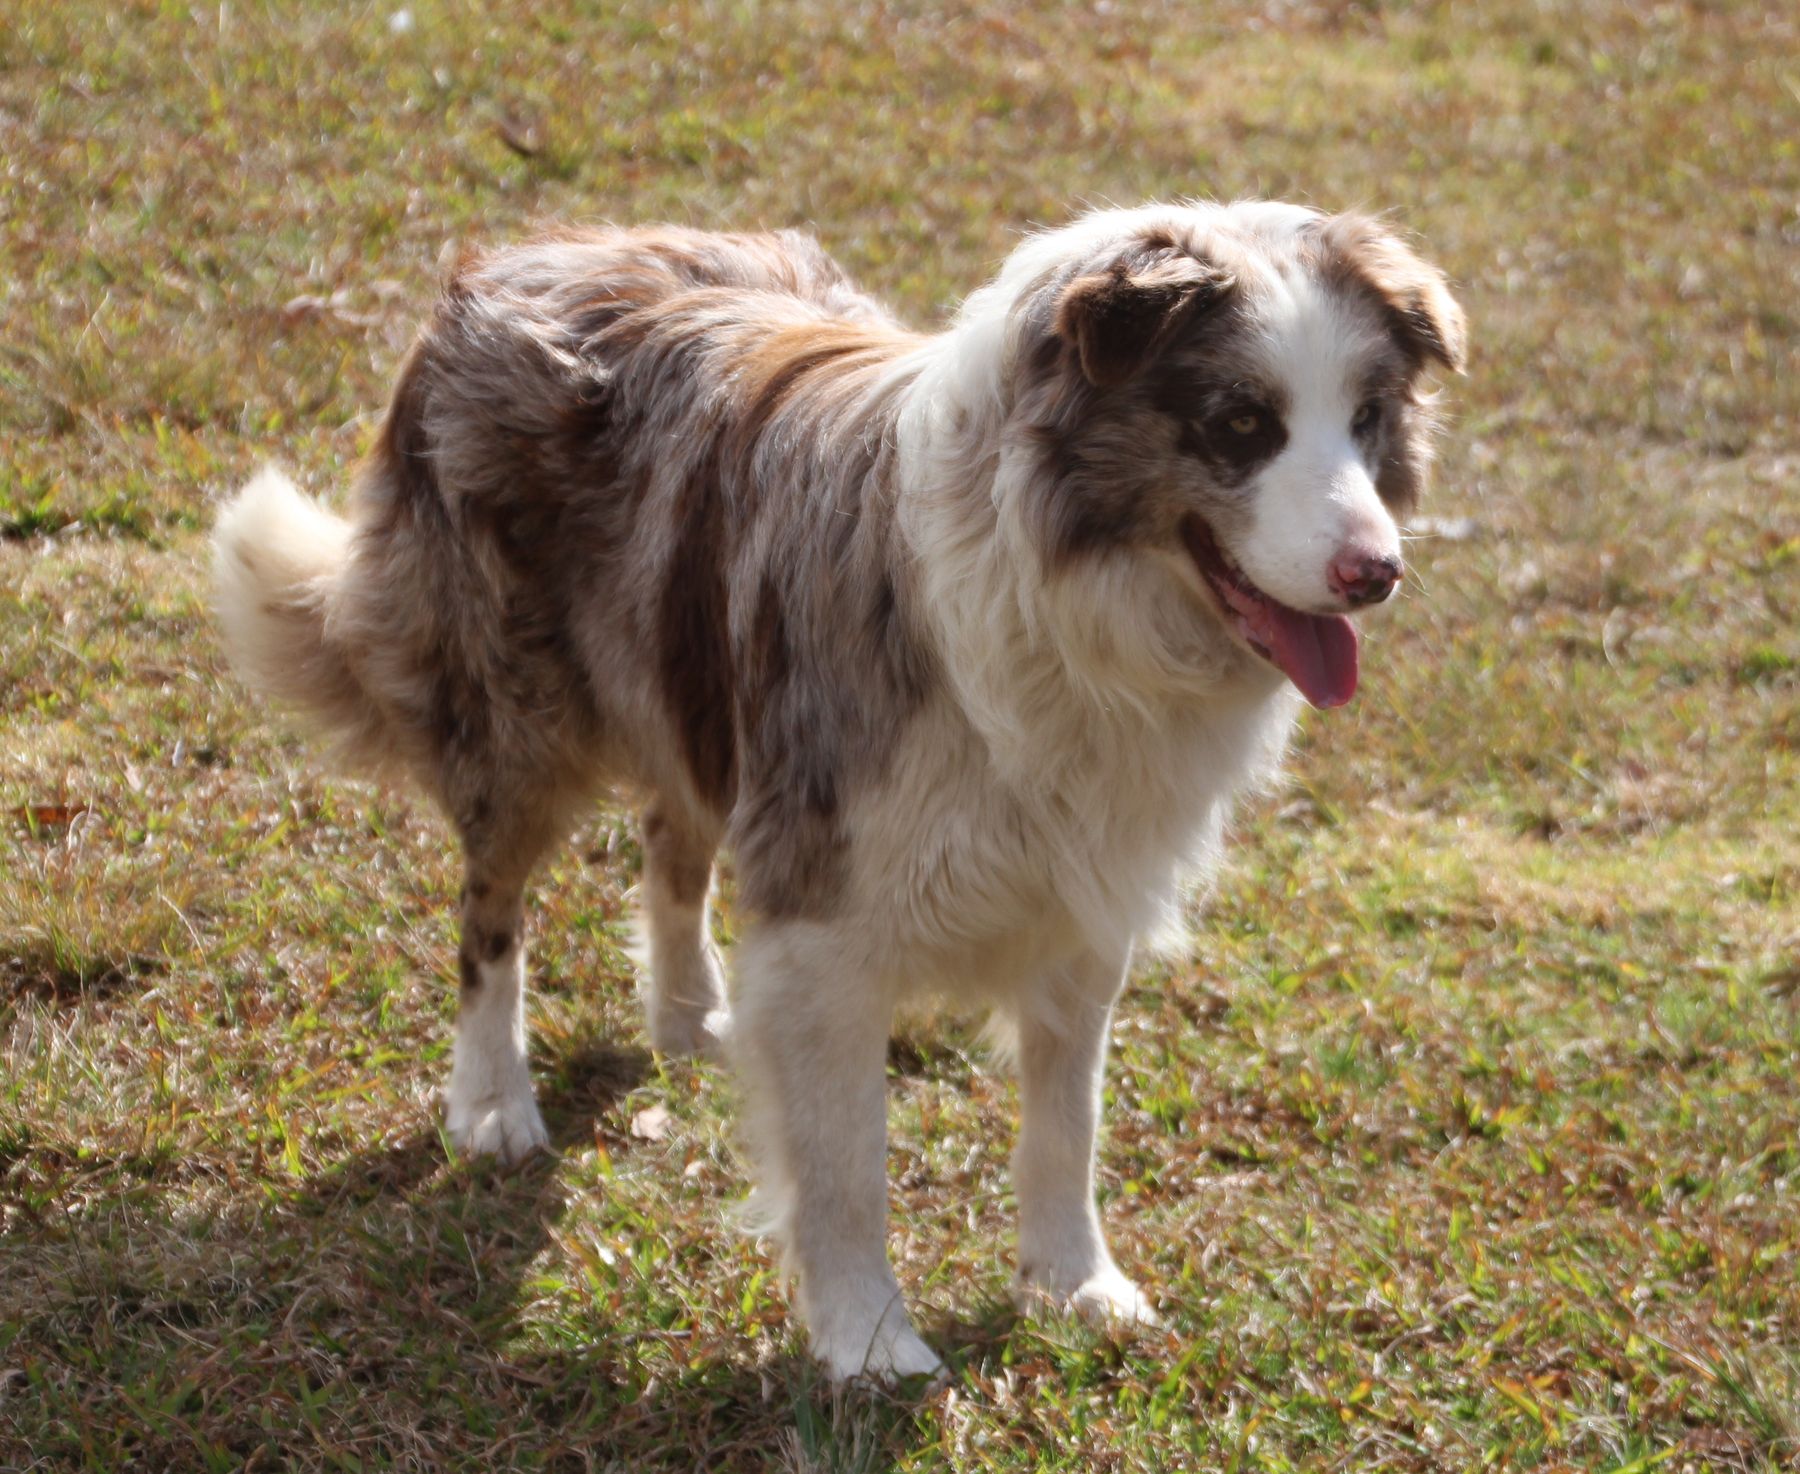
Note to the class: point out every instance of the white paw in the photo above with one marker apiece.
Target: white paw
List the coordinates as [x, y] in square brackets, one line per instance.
[508, 1128]
[690, 1034]
[1104, 1296]
[684, 1001]
[887, 1355]
[860, 1331]
[1109, 1296]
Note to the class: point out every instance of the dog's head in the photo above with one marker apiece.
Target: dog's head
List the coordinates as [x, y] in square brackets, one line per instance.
[1227, 399]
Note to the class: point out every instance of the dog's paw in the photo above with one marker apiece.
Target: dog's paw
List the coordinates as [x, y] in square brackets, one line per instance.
[685, 1008]
[1109, 1296]
[1105, 1296]
[861, 1333]
[891, 1354]
[507, 1128]
[691, 1035]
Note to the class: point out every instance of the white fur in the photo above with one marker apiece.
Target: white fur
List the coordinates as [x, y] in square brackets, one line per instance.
[1060, 1053]
[684, 981]
[489, 1109]
[809, 1042]
[271, 537]
[1316, 498]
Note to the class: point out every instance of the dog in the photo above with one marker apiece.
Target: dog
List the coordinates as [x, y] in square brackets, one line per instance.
[961, 644]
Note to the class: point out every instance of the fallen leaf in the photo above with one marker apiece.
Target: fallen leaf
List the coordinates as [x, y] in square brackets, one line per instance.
[651, 1123]
[49, 816]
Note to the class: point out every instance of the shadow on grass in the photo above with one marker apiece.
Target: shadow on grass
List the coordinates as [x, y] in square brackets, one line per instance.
[404, 1305]
[573, 1092]
[633, 1395]
[57, 972]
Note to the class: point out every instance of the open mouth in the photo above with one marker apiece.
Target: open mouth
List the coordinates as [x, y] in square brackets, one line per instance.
[1317, 652]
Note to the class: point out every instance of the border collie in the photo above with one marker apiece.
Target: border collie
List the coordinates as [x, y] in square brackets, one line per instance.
[961, 644]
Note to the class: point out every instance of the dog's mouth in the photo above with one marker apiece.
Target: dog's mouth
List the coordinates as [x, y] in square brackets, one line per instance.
[1317, 652]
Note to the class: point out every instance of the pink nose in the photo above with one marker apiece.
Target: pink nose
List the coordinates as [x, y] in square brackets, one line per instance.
[1360, 578]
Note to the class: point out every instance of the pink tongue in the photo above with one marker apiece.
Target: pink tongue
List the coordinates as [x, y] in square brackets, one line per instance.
[1318, 651]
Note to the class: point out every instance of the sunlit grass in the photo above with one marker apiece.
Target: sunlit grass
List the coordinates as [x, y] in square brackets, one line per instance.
[1470, 1137]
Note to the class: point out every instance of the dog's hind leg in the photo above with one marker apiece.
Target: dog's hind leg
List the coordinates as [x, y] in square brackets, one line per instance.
[1062, 1030]
[489, 1107]
[684, 992]
[810, 1046]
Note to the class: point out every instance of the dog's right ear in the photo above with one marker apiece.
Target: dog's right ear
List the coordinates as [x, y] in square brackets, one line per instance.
[1117, 319]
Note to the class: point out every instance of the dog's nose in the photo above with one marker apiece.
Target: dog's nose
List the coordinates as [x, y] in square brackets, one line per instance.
[1361, 578]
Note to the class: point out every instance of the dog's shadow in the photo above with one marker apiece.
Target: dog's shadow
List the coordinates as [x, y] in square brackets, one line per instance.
[391, 1298]
[452, 1251]
[579, 1089]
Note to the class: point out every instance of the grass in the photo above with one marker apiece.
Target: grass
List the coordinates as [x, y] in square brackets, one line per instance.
[1470, 1137]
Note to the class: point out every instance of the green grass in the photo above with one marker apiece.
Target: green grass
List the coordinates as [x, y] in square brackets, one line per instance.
[1470, 1137]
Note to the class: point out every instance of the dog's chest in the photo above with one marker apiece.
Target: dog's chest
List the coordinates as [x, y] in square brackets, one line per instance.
[984, 873]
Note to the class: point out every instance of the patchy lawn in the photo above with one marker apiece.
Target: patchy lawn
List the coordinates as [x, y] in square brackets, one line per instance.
[1470, 1137]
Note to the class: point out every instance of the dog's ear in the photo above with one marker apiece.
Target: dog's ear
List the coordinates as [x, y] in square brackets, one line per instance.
[1412, 294]
[1116, 319]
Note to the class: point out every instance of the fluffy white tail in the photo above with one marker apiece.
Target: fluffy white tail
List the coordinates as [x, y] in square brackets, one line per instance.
[278, 558]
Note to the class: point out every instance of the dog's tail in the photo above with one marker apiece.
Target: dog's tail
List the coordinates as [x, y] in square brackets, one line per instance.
[279, 561]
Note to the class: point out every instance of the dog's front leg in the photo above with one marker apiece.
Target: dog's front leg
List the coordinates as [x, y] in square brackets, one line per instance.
[809, 1040]
[1062, 1029]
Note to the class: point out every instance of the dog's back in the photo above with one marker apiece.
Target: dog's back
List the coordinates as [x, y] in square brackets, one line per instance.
[592, 441]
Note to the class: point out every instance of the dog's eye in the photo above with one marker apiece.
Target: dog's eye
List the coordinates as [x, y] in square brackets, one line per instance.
[1242, 434]
[1366, 418]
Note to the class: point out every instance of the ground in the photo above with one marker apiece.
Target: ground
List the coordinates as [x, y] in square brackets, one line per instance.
[1467, 1137]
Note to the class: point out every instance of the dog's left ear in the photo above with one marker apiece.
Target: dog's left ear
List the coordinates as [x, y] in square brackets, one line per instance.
[1412, 294]
[1117, 319]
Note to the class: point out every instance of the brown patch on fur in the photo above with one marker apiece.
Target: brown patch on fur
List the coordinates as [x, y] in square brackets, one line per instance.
[694, 642]
[1118, 318]
[1403, 454]
[778, 365]
[1212, 379]
[402, 451]
[493, 916]
[1130, 359]
[1089, 512]
[1355, 253]
[767, 659]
